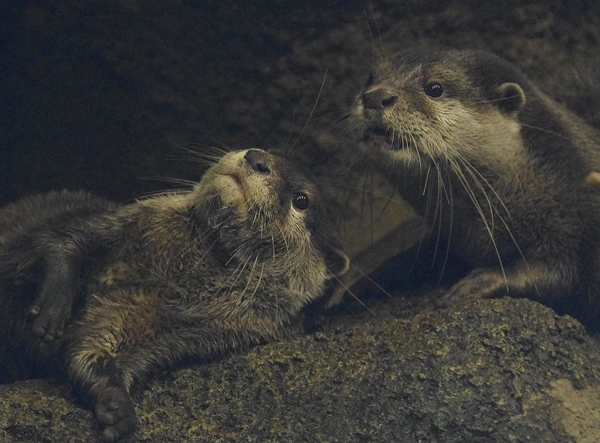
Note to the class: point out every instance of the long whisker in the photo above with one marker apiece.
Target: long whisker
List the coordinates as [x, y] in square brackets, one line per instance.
[438, 211]
[472, 170]
[235, 274]
[311, 113]
[387, 197]
[287, 248]
[209, 153]
[328, 243]
[371, 13]
[389, 200]
[470, 193]
[249, 277]
[179, 181]
[354, 295]
[546, 130]
[287, 143]
[450, 226]
[239, 274]
[259, 280]
[420, 247]
[506, 225]
[365, 275]
[163, 193]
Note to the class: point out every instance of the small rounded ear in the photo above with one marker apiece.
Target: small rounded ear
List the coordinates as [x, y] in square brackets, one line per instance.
[593, 179]
[512, 97]
[337, 262]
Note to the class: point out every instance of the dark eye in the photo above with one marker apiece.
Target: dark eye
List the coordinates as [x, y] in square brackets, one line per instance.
[434, 90]
[370, 80]
[300, 201]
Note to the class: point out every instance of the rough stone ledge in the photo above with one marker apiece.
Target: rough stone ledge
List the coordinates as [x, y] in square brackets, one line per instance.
[492, 371]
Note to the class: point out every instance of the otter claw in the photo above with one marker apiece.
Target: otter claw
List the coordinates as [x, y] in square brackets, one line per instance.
[479, 284]
[49, 320]
[51, 308]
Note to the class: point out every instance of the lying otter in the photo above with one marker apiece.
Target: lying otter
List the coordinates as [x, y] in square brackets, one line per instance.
[224, 266]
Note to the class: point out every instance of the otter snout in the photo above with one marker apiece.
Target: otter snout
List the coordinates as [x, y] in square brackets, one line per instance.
[259, 160]
[379, 98]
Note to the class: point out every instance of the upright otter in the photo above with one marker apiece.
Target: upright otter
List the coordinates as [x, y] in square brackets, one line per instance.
[226, 265]
[495, 166]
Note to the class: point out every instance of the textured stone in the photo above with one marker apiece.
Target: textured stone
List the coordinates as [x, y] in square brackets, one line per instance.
[492, 371]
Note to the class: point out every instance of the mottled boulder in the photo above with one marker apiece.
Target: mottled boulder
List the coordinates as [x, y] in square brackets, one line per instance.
[492, 371]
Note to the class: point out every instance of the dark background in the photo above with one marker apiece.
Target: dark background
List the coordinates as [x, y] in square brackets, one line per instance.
[101, 95]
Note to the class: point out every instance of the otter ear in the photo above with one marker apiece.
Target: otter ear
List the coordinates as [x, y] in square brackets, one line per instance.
[512, 97]
[593, 179]
[337, 262]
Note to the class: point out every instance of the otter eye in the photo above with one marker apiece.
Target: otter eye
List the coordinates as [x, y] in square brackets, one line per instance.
[370, 79]
[434, 90]
[300, 201]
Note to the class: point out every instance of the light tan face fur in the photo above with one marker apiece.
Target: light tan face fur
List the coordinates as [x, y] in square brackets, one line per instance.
[252, 193]
[236, 182]
[421, 128]
[266, 215]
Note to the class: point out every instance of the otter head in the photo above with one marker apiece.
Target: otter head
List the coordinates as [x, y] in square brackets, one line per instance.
[425, 106]
[267, 216]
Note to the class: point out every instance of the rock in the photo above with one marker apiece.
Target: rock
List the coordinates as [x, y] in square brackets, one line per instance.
[500, 370]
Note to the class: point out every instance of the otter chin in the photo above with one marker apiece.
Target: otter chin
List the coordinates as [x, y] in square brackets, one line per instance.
[494, 165]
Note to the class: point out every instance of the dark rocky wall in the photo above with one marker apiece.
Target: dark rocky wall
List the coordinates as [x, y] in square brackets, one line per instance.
[98, 94]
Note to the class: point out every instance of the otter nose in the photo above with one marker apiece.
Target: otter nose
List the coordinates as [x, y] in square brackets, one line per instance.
[259, 160]
[378, 99]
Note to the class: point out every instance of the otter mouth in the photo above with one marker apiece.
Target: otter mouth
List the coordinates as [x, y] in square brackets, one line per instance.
[237, 180]
[384, 139]
[233, 188]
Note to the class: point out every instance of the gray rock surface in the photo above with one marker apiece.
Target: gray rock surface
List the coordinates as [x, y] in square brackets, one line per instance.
[492, 371]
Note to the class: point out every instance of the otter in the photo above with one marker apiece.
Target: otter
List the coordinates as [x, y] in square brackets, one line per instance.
[228, 264]
[37, 238]
[504, 173]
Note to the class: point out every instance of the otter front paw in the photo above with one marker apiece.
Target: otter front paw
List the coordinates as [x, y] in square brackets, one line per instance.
[479, 283]
[50, 310]
[114, 410]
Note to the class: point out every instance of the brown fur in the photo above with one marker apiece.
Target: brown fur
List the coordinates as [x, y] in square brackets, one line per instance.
[498, 168]
[222, 267]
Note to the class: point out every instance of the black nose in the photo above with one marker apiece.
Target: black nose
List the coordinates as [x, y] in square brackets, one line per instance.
[259, 160]
[378, 99]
